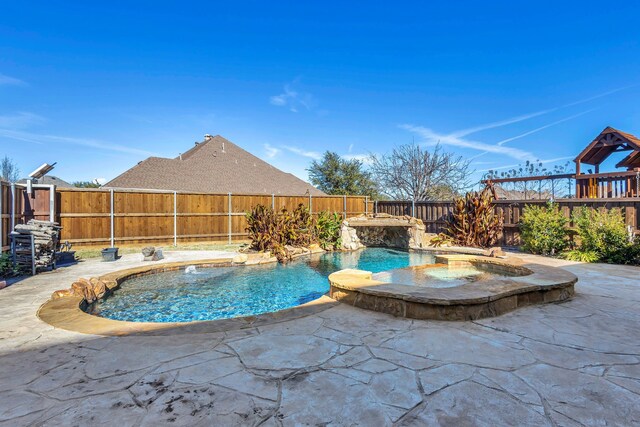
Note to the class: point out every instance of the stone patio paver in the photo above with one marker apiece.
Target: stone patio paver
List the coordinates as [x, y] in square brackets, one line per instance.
[574, 363]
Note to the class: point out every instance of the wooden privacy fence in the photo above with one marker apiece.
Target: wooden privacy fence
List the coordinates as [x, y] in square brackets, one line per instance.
[119, 217]
[434, 214]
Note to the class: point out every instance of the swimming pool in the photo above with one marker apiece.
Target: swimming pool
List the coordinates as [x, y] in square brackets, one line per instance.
[228, 292]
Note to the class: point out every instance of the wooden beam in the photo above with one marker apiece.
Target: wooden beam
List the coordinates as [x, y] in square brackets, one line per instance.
[529, 178]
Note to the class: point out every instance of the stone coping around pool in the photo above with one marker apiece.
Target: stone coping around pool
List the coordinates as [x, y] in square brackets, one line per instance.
[69, 312]
[534, 284]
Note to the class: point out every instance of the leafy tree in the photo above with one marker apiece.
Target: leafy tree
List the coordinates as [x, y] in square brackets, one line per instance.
[86, 184]
[9, 170]
[335, 175]
[411, 172]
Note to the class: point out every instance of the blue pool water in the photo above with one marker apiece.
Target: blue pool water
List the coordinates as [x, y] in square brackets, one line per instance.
[226, 292]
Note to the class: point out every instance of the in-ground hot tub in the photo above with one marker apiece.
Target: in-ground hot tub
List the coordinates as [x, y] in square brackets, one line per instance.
[499, 287]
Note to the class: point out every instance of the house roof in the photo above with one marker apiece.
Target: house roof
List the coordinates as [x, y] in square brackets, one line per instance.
[215, 165]
[607, 142]
[50, 180]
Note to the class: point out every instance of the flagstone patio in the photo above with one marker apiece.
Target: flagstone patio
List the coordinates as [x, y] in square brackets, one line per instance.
[573, 363]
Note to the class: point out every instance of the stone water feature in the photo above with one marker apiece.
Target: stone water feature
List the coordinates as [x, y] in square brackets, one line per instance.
[403, 232]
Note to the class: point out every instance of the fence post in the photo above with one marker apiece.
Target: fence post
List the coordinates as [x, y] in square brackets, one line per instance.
[310, 206]
[175, 218]
[1, 218]
[366, 205]
[540, 189]
[344, 205]
[273, 201]
[112, 234]
[375, 207]
[52, 203]
[229, 220]
[413, 208]
[13, 206]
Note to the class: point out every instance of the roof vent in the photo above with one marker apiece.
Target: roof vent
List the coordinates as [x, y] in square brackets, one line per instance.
[207, 137]
[180, 155]
[223, 147]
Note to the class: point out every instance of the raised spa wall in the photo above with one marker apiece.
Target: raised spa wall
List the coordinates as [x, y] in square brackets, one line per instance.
[535, 284]
[402, 232]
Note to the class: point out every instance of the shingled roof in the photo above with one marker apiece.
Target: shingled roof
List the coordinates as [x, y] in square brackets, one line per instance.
[215, 165]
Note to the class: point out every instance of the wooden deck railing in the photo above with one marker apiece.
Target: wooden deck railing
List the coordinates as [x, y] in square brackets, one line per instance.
[612, 185]
[608, 185]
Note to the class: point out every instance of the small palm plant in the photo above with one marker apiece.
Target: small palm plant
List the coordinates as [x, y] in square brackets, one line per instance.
[473, 221]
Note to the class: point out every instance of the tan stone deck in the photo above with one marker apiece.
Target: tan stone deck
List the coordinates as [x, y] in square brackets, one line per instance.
[574, 363]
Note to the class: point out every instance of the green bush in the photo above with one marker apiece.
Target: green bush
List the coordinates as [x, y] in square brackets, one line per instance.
[601, 232]
[581, 255]
[629, 254]
[327, 230]
[543, 229]
[7, 268]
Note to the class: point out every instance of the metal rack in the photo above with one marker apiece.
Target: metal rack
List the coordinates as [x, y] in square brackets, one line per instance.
[23, 251]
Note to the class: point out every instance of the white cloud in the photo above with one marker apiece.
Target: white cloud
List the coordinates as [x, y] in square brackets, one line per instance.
[293, 99]
[20, 120]
[516, 119]
[311, 154]
[350, 148]
[271, 151]
[469, 131]
[456, 138]
[554, 160]
[8, 80]
[600, 95]
[538, 129]
[55, 139]
[432, 138]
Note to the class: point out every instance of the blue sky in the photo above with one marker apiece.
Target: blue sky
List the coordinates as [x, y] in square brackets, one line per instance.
[99, 87]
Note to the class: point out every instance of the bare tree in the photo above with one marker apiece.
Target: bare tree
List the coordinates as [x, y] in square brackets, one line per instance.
[9, 170]
[412, 173]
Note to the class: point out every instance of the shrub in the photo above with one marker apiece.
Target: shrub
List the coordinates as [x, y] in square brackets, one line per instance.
[581, 255]
[601, 232]
[327, 230]
[629, 254]
[473, 221]
[262, 226]
[271, 231]
[543, 229]
[300, 226]
[7, 269]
